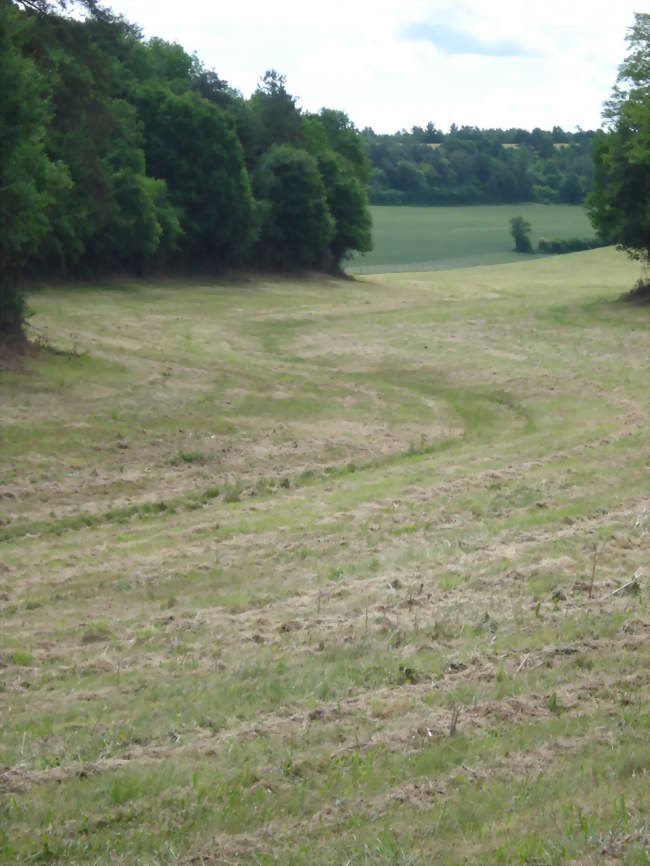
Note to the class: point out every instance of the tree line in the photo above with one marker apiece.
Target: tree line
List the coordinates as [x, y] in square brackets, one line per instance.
[619, 206]
[479, 166]
[124, 155]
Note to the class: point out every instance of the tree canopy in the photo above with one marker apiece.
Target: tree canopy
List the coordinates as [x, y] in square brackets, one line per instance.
[296, 224]
[619, 206]
[29, 180]
[520, 230]
[479, 166]
[124, 154]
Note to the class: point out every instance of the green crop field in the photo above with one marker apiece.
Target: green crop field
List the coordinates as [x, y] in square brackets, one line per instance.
[309, 571]
[432, 238]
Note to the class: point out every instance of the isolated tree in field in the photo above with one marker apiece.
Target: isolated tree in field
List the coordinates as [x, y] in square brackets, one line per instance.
[520, 230]
[619, 207]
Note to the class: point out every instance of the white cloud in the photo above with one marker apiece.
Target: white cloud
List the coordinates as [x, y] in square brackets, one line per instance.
[357, 56]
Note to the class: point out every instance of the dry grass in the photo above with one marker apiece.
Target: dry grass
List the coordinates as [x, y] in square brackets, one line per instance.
[304, 572]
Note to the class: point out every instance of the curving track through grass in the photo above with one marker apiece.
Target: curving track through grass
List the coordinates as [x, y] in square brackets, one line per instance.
[300, 571]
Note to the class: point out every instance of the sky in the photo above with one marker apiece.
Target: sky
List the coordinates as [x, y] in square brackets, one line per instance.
[394, 65]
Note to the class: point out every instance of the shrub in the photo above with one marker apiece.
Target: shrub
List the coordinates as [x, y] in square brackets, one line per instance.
[520, 230]
[571, 245]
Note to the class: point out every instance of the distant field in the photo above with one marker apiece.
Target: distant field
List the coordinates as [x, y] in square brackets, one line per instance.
[441, 238]
[315, 572]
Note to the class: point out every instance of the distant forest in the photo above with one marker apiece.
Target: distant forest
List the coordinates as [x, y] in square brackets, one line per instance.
[479, 166]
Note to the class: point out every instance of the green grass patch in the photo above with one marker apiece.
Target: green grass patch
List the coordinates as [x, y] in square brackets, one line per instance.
[432, 238]
[302, 570]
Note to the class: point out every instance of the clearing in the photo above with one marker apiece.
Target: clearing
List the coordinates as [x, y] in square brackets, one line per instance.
[443, 238]
[314, 572]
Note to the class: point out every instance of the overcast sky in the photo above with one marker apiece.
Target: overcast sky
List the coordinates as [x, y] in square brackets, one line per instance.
[393, 65]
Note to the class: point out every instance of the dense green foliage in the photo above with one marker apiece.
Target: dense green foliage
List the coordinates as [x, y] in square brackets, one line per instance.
[120, 154]
[520, 230]
[619, 207]
[296, 225]
[570, 245]
[344, 194]
[474, 166]
[28, 179]
[192, 144]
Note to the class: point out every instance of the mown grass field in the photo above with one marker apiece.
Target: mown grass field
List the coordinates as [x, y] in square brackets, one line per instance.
[302, 572]
[442, 238]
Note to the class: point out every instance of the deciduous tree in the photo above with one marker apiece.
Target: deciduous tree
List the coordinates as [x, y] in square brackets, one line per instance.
[348, 205]
[191, 144]
[28, 179]
[520, 230]
[619, 207]
[296, 224]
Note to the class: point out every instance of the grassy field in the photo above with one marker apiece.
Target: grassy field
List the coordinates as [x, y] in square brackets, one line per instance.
[325, 572]
[442, 238]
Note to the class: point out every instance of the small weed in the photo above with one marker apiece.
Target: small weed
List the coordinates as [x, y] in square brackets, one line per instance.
[232, 493]
[455, 716]
[209, 493]
[47, 853]
[123, 789]
[584, 662]
[553, 704]
[442, 631]
[188, 457]
[262, 486]
[95, 633]
[33, 604]
[417, 449]
[21, 658]
[450, 581]
[407, 674]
